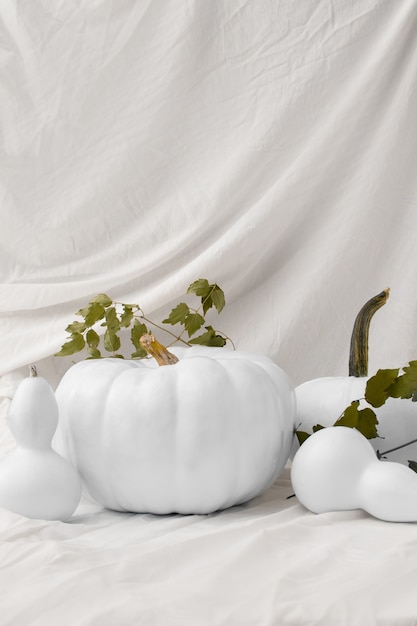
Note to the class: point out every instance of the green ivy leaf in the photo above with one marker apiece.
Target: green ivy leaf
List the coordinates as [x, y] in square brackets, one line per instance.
[112, 321]
[111, 341]
[139, 354]
[178, 315]
[406, 384]
[92, 313]
[92, 340]
[367, 423]
[127, 316]
[210, 294]
[350, 416]
[102, 299]
[75, 344]
[217, 342]
[111, 338]
[302, 436]
[376, 392]
[364, 420]
[138, 329]
[200, 287]
[94, 354]
[209, 338]
[193, 323]
[218, 299]
[412, 465]
[75, 328]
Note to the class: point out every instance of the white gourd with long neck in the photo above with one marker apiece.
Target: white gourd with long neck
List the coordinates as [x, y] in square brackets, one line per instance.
[35, 481]
[336, 469]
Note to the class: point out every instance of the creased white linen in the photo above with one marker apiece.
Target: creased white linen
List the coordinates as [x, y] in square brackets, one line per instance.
[264, 563]
[268, 146]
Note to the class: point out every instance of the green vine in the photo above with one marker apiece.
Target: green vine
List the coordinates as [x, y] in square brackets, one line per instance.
[400, 383]
[386, 383]
[116, 316]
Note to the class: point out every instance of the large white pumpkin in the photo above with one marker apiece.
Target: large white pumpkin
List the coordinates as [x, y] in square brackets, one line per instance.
[210, 431]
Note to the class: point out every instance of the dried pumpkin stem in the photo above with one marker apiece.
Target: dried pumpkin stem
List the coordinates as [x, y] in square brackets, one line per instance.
[358, 356]
[157, 350]
[33, 373]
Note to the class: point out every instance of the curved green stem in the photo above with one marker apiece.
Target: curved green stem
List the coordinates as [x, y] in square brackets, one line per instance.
[358, 356]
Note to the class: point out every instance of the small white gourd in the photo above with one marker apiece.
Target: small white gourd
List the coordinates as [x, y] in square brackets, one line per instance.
[35, 481]
[336, 469]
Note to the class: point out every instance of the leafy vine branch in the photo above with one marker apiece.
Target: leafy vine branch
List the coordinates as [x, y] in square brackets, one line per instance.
[398, 383]
[116, 316]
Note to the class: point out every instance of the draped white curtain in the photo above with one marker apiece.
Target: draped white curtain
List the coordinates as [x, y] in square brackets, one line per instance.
[268, 146]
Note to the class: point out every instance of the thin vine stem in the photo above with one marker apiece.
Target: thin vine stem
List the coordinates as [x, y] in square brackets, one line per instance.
[197, 310]
[176, 337]
[120, 315]
[381, 455]
[226, 338]
[141, 315]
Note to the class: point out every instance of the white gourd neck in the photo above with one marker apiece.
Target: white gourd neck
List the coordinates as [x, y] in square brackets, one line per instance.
[33, 414]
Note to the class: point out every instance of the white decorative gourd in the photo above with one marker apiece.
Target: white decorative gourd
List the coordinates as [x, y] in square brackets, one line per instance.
[336, 469]
[323, 400]
[35, 481]
[205, 429]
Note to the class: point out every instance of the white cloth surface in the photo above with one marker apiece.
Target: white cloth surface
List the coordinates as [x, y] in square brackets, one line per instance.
[265, 563]
[270, 147]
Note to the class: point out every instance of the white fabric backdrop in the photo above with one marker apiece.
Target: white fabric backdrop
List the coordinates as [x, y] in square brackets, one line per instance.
[268, 146]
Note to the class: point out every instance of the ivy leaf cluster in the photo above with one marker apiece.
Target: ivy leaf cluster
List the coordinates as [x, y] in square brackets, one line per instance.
[114, 317]
[398, 383]
[386, 383]
[364, 420]
[192, 320]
